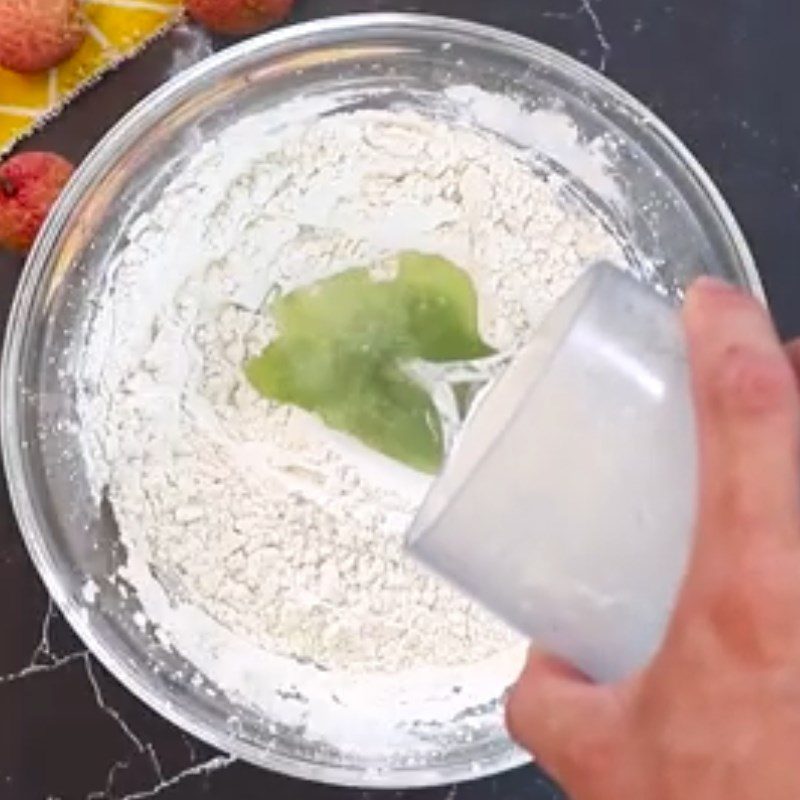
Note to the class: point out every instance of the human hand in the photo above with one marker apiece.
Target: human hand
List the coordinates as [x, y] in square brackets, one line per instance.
[716, 715]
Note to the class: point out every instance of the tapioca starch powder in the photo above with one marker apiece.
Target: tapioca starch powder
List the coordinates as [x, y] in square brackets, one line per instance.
[250, 528]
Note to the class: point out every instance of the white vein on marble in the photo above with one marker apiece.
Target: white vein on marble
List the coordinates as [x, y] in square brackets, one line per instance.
[587, 7]
[44, 659]
[214, 764]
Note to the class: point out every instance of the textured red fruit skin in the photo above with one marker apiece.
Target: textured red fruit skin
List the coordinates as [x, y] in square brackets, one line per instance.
[238, 17]
[29, 185]
[38, 34]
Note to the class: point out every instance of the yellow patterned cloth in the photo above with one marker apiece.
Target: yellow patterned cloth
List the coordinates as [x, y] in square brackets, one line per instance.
[117, 30]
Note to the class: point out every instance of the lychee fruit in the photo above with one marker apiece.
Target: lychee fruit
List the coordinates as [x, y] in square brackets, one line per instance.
[38, 34]
[29, 185]
[238, 17]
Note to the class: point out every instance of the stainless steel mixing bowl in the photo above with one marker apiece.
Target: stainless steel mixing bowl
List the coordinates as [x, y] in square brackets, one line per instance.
[663, 207]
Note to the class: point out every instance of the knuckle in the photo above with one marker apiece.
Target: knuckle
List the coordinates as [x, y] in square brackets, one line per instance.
[743, 515]
[590, 751]
[752, 383]
[753, 613]
[516, 717]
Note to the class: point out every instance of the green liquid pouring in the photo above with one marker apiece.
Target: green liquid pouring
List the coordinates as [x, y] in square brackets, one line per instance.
[343, 342]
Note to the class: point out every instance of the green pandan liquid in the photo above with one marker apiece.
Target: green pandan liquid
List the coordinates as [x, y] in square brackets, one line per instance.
[343, 341]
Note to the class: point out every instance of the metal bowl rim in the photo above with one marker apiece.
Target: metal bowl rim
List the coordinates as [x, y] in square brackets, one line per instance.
[97, 163]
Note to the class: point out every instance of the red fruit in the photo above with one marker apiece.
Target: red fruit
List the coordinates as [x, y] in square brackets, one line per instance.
[238, 17]
[29, 185]
[38, 34]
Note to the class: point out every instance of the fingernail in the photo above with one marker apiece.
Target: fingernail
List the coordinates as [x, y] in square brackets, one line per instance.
[707, 284]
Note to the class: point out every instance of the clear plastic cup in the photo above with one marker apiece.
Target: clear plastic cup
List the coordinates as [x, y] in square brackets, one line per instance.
[567, 505]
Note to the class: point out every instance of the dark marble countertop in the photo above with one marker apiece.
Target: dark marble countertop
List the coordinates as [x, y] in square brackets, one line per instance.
[721, 73]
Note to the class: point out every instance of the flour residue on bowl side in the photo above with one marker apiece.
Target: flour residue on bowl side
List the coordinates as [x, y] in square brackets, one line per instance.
[264, 548]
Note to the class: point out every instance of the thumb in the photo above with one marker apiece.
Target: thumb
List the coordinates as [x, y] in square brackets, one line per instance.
[562, 718]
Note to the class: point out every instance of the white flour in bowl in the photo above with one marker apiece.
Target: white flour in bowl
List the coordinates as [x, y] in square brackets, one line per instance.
[262, 545]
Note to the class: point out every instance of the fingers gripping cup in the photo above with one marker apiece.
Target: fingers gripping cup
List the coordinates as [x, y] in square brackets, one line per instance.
[568, 503]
